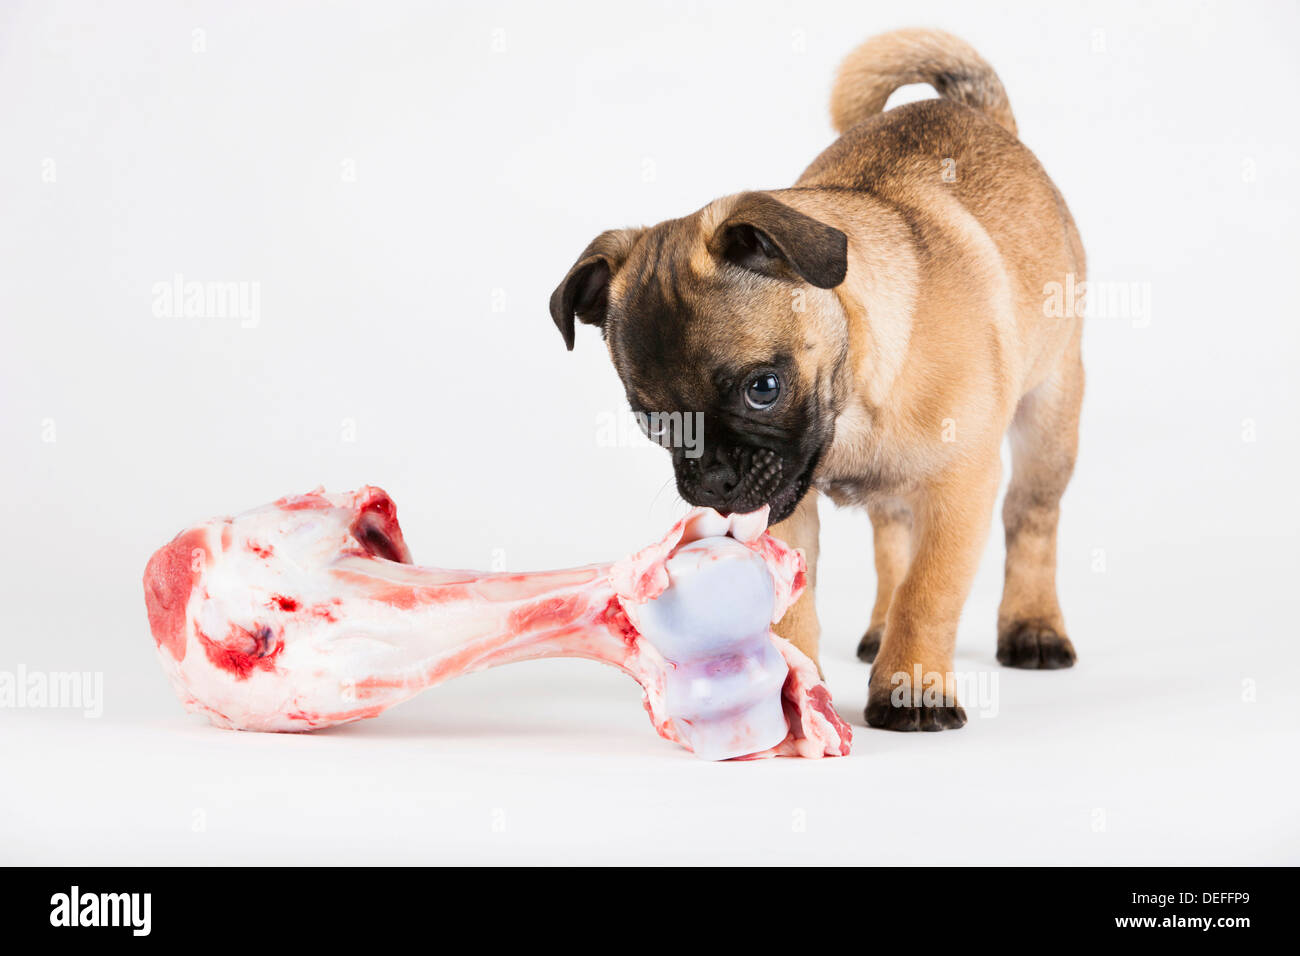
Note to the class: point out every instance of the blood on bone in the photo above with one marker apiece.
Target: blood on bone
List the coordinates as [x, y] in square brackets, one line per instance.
[819, 699]
[376, 528]
[169, 577]
[512, 587]
[312, 499]
[405, 597]
[318, 721]
[615, 618]
[328, 622]
[547, 613]
[242, 651]
[325, 611]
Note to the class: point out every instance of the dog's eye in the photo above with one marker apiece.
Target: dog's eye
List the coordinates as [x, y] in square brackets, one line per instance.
[762, 391]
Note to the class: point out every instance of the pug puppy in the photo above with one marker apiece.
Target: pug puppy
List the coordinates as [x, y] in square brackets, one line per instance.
[871, 334]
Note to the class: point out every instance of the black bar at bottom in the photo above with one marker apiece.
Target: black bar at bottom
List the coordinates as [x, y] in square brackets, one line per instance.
[334, 906]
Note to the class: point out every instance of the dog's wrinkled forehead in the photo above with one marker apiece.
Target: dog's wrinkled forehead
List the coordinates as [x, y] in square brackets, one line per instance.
[679, 319]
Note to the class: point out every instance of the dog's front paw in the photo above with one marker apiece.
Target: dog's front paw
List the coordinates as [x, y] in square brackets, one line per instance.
[887, 713]
[1033, 645]
[869, 646]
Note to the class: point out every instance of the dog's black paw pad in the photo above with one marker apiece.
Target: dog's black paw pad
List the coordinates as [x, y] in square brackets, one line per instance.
[882, 713]
[1034, 646]
[869, 646]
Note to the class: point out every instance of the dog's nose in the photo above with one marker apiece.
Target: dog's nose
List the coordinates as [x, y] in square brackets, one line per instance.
[717, 483]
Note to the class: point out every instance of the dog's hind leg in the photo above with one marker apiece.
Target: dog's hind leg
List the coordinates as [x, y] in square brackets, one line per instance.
[1044, 442]
[891, 535]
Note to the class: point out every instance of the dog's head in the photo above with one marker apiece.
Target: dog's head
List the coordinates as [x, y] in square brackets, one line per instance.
[724, 315]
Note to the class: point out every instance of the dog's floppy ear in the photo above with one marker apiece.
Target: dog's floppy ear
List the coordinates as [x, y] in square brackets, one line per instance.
[766, 236]
[584, 293]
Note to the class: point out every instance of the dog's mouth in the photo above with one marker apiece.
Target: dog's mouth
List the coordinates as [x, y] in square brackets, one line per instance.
[764, 479]
[783, 503]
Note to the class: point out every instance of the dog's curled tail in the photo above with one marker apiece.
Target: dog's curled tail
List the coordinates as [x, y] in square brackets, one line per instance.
[884, 63]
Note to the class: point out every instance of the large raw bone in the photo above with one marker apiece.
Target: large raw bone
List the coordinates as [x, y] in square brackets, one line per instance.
[308, 612]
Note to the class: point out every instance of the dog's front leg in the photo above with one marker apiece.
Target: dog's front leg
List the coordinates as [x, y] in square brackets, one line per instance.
[799, 624]
[913, 686]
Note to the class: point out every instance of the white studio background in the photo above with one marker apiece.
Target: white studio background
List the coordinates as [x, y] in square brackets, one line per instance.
[404, 185]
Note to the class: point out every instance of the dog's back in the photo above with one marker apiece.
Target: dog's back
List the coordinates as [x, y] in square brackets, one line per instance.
[936, 160]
